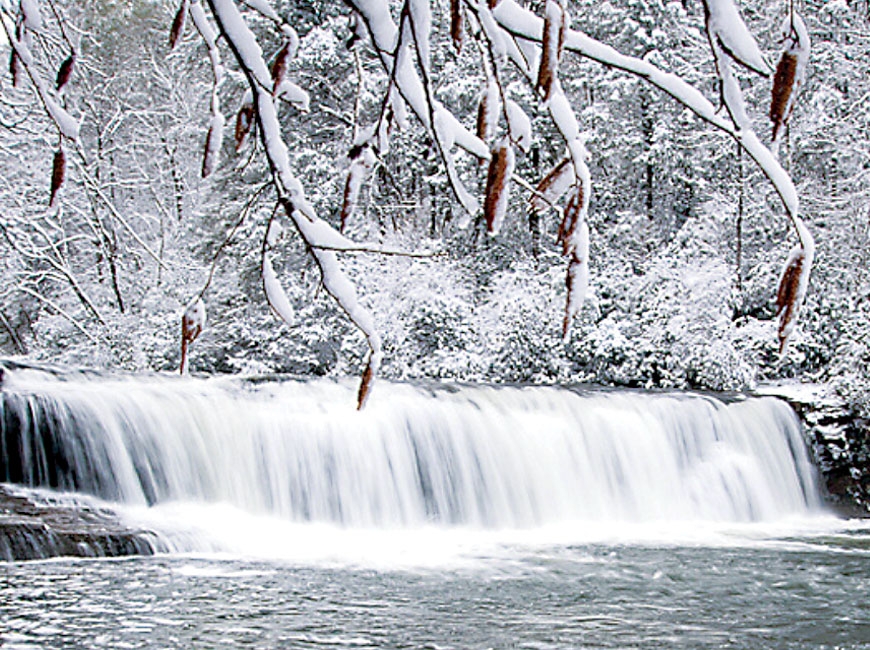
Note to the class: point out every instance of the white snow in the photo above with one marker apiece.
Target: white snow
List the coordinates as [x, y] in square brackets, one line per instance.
[275, 293]
[290, 92]
[421, 15]
[32, 15]
[727, 27]
[264, 7]
[520, 125]
[292, 40]
[492, 97]
[562, 114]
[209, 36]
[400, 111]
[732, 94]
[376, 15]
[493, 32]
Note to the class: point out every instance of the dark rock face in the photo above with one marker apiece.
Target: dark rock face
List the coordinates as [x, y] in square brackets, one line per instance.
[839, 441]
[39, 526]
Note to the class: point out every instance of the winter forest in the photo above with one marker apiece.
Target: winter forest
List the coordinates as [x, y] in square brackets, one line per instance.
[638, 192]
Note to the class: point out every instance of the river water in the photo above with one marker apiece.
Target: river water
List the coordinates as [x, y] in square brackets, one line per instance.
[440, 517]
[737, 590]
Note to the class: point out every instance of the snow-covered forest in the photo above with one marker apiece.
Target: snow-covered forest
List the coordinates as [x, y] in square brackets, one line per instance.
[504, 191]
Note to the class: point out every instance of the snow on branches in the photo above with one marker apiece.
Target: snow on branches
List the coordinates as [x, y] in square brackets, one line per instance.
[22, 67]
[402, 42]
[320, 238]
[215, 135]
[275, 294]
[730, 36]
[730, 40]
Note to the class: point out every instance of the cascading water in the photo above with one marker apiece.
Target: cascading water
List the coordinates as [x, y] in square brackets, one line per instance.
[496, 457]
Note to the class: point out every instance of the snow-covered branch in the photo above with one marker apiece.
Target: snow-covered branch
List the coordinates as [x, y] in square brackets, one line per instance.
[730, 40]
[316, 233]
[385, 39]
[67, 125]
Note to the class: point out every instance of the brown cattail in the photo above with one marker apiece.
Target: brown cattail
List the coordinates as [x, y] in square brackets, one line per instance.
[178, 24]
[58, 173]
[571, 216]
[64, 72]
[498, 177]
[456, 23]
[551, 48]
[279, 65]
[783, 86]
[570, 282]
[553, 185]
[208, 153]
[192, 324]
[16, 70]
[212, 148]
[244, 122]
[483, 117]
[365, 386]
[349, 199]
[790, 294]
[362, 161]
[577, 278]
[493, 3]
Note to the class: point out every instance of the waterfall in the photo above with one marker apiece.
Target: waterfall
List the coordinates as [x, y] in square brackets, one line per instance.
[416, 455]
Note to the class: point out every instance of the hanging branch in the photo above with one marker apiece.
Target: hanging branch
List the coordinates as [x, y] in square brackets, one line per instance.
[313, 231]
[275, 294]
[67, 126]
[523, 24]
[384, 35]
[445, 126]
[214, 137]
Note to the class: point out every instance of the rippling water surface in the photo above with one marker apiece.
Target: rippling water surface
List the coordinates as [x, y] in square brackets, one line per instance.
[811, 591]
